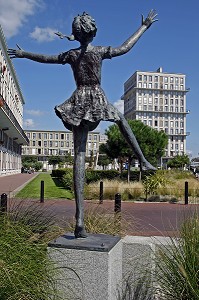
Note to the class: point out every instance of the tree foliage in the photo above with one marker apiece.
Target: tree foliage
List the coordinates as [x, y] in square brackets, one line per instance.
[179, 161]
[151, 142]
[54, 160]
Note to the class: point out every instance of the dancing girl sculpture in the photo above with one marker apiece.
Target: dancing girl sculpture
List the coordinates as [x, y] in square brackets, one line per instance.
[88, 105]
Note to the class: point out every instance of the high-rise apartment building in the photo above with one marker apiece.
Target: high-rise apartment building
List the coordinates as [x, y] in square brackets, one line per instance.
[158, 99]
[12, 136]
[45, 143]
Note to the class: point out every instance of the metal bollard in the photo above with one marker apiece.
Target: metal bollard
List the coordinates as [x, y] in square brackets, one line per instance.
[186, 193]
[4, 203]
[42, 192]
[118, 200]
[101, 193]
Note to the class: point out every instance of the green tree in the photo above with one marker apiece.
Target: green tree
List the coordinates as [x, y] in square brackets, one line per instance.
[68, 159]
[151, 141]
[54, 160]
[179, 161]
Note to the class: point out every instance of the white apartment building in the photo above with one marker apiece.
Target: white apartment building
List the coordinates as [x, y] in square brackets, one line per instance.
[12, 136]
[158, 99]
[45, 143]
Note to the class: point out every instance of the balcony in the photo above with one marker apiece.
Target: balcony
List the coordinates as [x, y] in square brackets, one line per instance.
[7, 119]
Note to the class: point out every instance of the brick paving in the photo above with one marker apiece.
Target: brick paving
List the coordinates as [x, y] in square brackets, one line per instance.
[144, 219]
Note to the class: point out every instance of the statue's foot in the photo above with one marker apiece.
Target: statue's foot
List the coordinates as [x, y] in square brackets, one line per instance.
[149, 166]
[80, 232]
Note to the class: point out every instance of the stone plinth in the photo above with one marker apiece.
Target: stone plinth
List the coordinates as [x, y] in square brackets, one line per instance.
[90, 268]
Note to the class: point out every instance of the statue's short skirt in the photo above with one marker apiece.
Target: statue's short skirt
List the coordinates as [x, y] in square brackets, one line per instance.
[87, 103]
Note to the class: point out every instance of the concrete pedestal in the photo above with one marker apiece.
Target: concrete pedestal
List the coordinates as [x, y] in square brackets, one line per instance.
[90, 268]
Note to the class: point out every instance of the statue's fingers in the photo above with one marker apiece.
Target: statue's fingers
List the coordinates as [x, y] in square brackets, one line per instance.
[12, 56]
[19, 47]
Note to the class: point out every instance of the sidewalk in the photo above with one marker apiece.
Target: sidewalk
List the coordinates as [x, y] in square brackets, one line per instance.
[10, 184]
[146, 219]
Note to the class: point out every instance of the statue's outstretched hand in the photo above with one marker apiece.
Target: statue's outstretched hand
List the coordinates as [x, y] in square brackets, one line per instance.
[16, 53]
[150, 18]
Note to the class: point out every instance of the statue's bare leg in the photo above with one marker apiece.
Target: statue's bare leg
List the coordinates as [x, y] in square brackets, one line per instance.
[131, 140]
[80, 134]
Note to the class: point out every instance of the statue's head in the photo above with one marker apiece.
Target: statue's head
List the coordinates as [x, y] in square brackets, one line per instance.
[83, 28]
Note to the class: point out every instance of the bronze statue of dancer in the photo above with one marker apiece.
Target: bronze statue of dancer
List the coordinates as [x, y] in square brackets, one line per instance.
[88, 105]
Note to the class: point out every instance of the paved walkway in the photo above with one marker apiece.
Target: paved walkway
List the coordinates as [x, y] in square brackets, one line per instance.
[10, 184]
[146, 219]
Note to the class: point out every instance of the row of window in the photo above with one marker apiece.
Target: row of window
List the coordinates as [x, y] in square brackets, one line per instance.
[59, 144]
[161, 115]
[56, 136]
[160, 86]
[175, 127]
[34, 151]
[165, 79]
[161, 101]
[170, 94]
[159, 108]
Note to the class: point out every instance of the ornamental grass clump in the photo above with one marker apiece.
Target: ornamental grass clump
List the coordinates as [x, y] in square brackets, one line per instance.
[101, 220]
[26, 273]
[178, 263]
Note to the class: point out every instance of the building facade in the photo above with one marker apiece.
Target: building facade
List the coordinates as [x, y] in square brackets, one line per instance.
[45, 143]
[12, 136]
[158, 99]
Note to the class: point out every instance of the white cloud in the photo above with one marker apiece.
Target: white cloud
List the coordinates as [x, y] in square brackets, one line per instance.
[33, 112]
[119, 104]
[43, 34]
[29, 123]
[13, 13]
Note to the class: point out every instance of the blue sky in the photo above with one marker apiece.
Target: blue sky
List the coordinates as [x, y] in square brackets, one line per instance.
[172, 43]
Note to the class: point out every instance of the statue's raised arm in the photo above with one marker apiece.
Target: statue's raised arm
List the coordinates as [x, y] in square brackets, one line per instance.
[129, 43]
[20, 53]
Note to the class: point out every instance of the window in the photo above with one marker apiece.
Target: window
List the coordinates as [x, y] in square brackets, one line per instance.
[39, 143]
[45, 143]
[145, 77]
[62, 144]
[156, 123]
[51, 136]
[150, 78]
[62, 136]
[34, 136]
[56, 136]
[45, 135]
[156, 79]
[171, 79]
[140, 77]
[166, 79]
[33, 143]
[39, 135]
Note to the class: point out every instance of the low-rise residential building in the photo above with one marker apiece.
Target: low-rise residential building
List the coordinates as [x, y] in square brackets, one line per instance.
[45, 143]
[12, 136]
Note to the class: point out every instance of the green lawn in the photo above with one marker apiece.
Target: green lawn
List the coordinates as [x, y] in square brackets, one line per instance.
[52, 188]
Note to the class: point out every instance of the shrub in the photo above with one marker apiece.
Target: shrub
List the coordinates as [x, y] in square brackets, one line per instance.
[67, 179]
[95, 175]
[59, 172]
